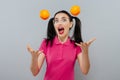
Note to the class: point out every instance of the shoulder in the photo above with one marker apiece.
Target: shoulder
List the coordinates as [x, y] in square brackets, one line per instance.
[78, 48]
[44, 40]
[43, 46]
[43, 43]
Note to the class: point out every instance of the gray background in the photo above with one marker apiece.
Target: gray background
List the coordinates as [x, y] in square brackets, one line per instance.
[20, 24]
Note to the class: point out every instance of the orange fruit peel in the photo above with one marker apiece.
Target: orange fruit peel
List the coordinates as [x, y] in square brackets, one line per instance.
[44, 14]
[75, 10]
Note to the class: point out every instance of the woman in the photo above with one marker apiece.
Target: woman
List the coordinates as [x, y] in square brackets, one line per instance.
[61, 51]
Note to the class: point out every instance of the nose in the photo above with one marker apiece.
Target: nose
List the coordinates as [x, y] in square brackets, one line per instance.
[60, 22]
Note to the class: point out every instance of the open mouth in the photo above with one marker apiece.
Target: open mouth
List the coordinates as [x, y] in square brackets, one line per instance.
[61, 30]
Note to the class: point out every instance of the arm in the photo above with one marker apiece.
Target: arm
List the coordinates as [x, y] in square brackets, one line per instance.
[83, 57]
[84, 62]
[37, 60]
[37, 63]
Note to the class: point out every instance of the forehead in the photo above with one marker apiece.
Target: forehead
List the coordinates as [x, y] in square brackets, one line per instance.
[61, 15]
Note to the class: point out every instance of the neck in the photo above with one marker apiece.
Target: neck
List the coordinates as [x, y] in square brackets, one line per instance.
[63, 39]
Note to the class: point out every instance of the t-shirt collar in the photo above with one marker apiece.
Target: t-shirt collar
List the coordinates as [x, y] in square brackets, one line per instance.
[58, 42]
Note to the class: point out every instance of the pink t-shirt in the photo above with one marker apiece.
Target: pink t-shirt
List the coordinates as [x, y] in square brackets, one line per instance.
[60, 59]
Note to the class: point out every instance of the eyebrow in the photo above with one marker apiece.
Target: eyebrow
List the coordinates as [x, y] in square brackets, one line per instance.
[62, 18]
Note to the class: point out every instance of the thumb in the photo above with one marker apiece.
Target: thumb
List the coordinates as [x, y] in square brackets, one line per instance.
[39, 52]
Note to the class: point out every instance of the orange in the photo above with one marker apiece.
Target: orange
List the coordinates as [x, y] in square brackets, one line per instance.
[75, 10]
[44, 14]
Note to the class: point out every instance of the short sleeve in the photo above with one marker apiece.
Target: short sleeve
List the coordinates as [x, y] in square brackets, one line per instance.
[78, 50]
[43, 46]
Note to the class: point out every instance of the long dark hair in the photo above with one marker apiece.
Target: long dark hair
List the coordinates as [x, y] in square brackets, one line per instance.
[51, 33]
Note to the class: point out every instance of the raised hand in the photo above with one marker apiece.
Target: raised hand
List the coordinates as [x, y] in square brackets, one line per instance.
[85, 45]
[34, 53]
[90, 41]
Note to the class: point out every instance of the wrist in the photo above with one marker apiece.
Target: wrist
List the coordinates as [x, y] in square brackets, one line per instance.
[85, 52]
[34, 59]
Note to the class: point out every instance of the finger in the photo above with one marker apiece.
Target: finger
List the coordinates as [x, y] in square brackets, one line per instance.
[30, 49]
[28, 46]
[78, 44]
[39, 52]
[90, 41]
[84, 44]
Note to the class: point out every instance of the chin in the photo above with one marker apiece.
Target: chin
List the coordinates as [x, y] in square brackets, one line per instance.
[62, 35]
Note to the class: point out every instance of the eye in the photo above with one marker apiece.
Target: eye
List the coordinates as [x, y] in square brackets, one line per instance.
[64, 20]
[56, 21]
